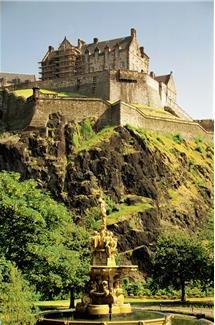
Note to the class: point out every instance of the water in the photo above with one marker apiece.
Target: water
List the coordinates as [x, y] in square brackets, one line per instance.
[136, 315]
[189, 321]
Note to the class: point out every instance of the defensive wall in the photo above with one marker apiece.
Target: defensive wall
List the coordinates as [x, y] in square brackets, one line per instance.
[33, 113]
[128, 86]
[188, 129]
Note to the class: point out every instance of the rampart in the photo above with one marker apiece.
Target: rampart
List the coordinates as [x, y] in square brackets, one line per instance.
[17, 113]
[134, 116]
[128, 86]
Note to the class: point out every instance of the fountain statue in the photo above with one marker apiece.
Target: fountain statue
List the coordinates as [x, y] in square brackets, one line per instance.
[104, 294]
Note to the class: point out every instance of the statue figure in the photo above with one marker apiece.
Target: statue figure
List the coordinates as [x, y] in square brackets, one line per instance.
[103, 212]
[118, 293]
[96, 240]
[110, 244]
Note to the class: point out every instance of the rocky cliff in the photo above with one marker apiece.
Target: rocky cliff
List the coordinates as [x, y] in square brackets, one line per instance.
[150, 182]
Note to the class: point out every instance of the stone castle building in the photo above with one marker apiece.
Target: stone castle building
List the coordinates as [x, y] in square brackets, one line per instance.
[68, 60]
[113, 70]
[108, 81]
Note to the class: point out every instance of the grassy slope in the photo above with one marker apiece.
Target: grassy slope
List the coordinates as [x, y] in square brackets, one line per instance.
[127, 212]
[29, 92]
[151, 111]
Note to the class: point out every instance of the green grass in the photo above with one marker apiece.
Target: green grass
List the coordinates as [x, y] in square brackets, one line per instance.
[127, 211]
[152, 111]
[29, 92]
[58, 304]
[102, 136]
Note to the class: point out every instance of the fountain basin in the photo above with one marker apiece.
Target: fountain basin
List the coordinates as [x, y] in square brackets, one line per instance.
[137, 317]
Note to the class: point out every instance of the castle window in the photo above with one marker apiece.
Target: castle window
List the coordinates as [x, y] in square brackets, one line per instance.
[78, 84]
[94, 85]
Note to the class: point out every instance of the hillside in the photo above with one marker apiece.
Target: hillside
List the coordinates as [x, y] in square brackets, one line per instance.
[150, 182]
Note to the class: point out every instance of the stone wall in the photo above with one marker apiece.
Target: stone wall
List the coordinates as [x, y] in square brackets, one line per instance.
[15, 112]
[137, 61]
[128, 86]
[73, 109]
[207, 124]
[92, 85]
[133, 116]
[134, 87]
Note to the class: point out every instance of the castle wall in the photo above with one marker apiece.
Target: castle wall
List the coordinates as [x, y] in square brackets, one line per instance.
[136, 62]
[133, 116]
[115, 59]
[73, 109]
[92, 85]
[128, 86]
[133, 87]
[15, 112]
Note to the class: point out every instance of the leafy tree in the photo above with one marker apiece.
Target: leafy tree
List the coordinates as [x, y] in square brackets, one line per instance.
[17, 297]
[38, 234]
[179, 259]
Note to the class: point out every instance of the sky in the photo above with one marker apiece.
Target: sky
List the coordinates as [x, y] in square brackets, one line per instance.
[177, 36]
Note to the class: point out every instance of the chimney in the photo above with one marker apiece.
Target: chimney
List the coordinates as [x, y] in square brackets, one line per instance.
[36, 92]
[95, 40]
[142, 51]
[51, 48]
[152, 74]
[80, 43]
[133, 32]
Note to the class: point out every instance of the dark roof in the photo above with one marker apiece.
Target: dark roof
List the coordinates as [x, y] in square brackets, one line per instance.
[123, 42]
[21, 76]
[164, 78]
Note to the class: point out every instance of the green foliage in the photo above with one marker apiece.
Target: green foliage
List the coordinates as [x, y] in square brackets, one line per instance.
[179, 259]
[124, 212]
[178, 138]
[86, 129]
[199, 148]
[84, 137]
[136, 288]
[38, 234]
[17, 298]
[91, 219]
[207, 232]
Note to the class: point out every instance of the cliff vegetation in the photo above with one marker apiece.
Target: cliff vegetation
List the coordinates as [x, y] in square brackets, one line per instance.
[151, 182]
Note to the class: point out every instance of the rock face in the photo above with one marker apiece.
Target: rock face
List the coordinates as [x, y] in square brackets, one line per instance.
[150, 182]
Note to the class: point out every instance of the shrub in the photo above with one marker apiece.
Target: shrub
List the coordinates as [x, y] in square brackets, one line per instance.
[199, 148]
[178, 138]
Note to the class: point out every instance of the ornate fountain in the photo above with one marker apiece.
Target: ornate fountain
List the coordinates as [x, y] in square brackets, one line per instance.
[104, 293]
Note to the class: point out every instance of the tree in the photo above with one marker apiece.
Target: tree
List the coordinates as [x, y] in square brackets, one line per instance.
[179, 259]
[38, 234]
[17, 298]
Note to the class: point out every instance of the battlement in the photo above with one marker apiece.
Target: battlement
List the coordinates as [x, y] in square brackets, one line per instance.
[33, 113]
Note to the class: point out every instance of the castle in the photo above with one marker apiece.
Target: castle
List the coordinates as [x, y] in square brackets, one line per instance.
[109, 81]
[114, 70]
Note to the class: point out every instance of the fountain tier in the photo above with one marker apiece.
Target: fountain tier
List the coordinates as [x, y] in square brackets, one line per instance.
[103, 293]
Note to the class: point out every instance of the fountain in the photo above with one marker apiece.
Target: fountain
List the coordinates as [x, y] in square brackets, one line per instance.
[103, 298]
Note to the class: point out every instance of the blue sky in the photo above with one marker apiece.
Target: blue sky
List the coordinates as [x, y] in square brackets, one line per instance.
[178, 37]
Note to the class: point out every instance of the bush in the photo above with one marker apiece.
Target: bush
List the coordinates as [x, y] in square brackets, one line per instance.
[178, 138]
[199, 148]
[17, 298]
